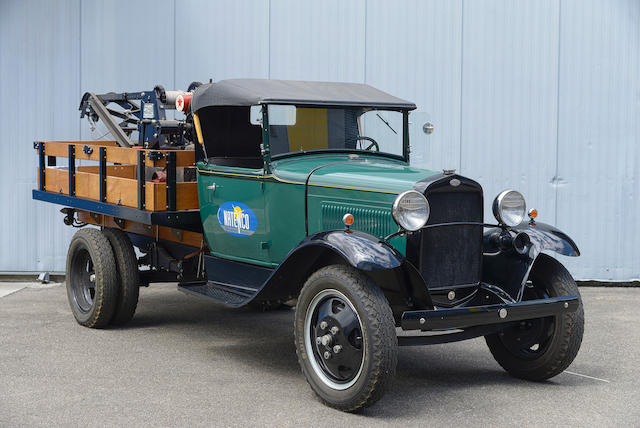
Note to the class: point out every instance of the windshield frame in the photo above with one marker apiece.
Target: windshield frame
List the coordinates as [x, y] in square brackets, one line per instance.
[267, 147]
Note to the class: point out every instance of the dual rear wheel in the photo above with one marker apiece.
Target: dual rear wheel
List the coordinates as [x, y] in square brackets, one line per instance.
[102, 277]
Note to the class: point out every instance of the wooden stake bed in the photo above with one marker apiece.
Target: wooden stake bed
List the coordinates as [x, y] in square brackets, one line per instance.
[119, 187]
[118, 183]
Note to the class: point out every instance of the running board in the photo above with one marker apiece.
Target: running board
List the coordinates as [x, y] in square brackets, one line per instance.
[229, 282]
[227, 294]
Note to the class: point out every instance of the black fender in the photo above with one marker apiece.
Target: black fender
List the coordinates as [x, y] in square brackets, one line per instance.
[398, 279]
[508, 267]
[359, 249]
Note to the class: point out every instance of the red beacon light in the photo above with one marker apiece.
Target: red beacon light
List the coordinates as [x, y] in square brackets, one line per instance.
[183, 101]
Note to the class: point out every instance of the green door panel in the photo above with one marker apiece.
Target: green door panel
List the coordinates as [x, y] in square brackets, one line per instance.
[235, 187]
[284, 207]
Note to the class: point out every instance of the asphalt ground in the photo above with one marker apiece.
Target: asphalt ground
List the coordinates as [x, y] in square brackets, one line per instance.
[184, 361]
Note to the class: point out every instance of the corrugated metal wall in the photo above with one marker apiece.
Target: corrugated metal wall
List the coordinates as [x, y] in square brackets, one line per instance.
[541, 96]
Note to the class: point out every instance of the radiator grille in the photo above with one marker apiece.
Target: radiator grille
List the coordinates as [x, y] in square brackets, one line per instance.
[451, 256]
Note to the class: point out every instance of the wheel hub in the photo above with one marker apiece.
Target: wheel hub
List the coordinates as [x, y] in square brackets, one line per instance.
[82, 279]
[529, 339]
[337, 335]
[326, 340]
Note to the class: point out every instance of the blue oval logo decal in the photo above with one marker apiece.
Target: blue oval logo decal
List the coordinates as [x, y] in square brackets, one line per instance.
[237, 219]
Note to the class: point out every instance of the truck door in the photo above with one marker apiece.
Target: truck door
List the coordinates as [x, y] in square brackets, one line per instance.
[232, 212]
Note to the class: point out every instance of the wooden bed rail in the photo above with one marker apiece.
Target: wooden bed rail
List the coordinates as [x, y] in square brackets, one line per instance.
[124, 181]
[89, 150]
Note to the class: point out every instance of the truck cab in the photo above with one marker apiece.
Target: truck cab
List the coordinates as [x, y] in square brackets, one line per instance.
[272, 174]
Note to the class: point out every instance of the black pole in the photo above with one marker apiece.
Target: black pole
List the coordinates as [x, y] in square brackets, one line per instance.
[103, 174]
[141, 180]
[171, 181]
[72, 170]
[42, 165]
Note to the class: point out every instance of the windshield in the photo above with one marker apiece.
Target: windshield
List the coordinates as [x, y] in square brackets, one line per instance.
[340, 129]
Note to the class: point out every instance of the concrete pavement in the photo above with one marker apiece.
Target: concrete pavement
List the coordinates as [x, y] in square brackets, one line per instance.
[183, 361]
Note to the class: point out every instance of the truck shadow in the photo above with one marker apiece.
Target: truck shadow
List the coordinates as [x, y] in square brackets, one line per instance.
[427, 376]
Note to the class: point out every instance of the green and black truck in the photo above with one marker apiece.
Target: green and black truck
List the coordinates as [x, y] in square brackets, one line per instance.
[269, 192]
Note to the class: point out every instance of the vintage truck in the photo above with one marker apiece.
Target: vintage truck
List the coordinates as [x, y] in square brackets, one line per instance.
[269, 191]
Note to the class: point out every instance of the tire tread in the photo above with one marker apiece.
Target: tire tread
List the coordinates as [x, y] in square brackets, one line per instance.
[128, 276]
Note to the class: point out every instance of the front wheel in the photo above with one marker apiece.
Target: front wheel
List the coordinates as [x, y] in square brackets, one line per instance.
[345, 337]
[541, 348]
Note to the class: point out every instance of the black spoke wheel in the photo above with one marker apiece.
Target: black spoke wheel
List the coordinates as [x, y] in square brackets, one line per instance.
[91, 278]
[345, 337]
[541, 348]
[529, 339]
[82, 279]
[334, 333]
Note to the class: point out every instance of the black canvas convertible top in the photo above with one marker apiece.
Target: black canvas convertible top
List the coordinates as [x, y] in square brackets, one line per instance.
[247, 92]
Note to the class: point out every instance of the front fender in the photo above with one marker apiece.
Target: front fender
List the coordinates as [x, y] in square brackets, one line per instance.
[358, 249]
[505, 267]
[546, 237]
[361, 250]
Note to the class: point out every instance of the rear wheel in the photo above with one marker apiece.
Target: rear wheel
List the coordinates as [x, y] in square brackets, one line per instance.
[345, 338]
[91, 278]
[127, 272]
[541, 348]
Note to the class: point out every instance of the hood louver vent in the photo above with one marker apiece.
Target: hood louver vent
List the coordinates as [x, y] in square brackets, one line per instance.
[376, 221]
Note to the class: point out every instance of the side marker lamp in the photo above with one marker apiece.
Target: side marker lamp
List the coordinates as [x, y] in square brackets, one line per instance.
[348, 219]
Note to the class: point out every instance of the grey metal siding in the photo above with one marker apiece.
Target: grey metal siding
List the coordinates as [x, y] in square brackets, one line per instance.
[598, 181]
[541, 96]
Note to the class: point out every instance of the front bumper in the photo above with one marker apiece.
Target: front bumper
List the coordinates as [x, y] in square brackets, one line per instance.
[459, 318]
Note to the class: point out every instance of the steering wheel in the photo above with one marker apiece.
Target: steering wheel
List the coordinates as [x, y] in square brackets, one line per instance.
[374, 143]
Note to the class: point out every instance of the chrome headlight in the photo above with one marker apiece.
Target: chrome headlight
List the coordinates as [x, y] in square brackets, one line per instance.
[509, 208]
[411, 210]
